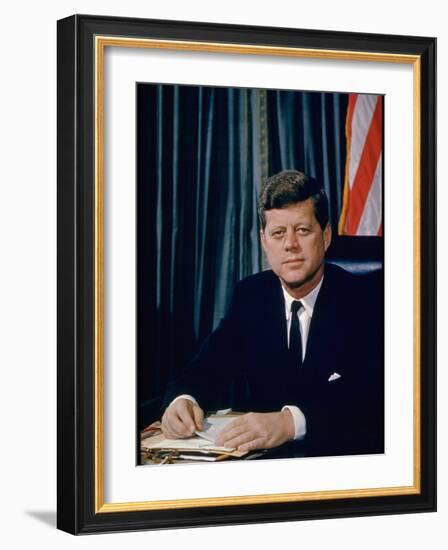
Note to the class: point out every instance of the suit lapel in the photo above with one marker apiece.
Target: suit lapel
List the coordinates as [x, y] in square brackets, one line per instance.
[272, 321]
[322, 336]
[275, 320]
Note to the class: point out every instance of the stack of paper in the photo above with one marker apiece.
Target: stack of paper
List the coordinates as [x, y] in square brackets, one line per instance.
[202, 444]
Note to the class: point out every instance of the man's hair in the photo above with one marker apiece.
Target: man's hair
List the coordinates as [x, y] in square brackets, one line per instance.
[290, 187]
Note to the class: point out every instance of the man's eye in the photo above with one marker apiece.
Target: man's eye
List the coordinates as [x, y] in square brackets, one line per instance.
[277, 234]
[303, 231]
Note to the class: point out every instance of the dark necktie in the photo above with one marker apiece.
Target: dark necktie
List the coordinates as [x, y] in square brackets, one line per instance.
[295, 339]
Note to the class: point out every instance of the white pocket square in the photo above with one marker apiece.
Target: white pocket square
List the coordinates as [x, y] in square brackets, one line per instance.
[334, 376]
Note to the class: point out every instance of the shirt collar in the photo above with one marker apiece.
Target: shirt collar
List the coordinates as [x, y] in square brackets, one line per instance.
[308, 301]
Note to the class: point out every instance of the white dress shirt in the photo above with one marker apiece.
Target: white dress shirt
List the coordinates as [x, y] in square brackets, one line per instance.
[305, 314]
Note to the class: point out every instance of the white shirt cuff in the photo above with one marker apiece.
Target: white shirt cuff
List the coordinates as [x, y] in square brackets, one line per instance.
[185, 396]
[299, 421]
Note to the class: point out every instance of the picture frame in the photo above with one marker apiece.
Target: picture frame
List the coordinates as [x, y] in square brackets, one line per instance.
[83, 126]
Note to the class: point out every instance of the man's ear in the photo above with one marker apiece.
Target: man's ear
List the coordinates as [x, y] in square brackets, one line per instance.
[327, 236]
[263, 239]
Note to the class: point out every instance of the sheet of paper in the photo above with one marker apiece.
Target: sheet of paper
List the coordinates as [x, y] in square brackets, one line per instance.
[213, 425]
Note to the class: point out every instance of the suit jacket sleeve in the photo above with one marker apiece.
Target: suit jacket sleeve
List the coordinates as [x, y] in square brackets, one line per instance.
[212, 375]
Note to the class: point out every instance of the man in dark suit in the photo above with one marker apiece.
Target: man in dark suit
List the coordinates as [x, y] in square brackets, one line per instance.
[301, 346]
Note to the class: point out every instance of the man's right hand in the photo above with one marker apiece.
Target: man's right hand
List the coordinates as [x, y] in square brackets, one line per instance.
[181, 419]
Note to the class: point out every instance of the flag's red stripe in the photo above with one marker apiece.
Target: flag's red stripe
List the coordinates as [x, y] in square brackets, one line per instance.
[348, 133]
[366, 169]
[351, 109]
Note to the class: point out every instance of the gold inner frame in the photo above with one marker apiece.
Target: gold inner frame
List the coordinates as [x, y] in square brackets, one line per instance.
[101, 42]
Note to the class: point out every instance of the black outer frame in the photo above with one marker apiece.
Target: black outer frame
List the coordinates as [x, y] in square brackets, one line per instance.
[75, 381]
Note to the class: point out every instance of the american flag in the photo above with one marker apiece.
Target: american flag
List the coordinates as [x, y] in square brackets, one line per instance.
[362, 208]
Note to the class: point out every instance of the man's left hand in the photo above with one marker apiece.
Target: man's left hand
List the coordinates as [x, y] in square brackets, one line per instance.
[258, 431]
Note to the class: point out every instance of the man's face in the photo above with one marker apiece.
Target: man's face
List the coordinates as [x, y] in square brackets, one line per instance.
[295, 246]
